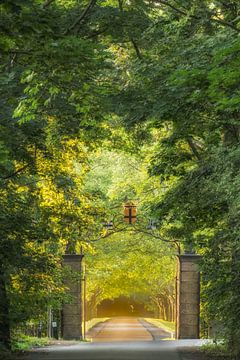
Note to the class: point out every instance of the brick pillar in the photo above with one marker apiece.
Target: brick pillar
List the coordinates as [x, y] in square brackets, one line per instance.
[72, 313]
[188, 297]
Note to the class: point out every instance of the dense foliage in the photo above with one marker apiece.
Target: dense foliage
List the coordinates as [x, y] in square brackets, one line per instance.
[76, 76]
[50, 96]
[187, 86]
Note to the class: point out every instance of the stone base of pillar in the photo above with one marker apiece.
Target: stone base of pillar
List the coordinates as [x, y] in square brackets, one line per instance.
[72, 313]
[188, 297]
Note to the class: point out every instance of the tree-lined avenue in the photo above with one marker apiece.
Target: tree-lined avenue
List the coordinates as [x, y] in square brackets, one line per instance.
[108, 102]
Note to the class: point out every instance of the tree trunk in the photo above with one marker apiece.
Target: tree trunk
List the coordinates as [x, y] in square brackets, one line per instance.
[4, 312]
[231, 134]
[173, 309]
[164, 310]
[169, 310]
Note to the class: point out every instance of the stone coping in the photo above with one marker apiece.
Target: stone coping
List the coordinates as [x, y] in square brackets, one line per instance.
[73, 257]
[189, 256]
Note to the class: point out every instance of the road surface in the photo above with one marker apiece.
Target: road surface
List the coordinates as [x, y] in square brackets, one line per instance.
[122, 329]
[118, 339]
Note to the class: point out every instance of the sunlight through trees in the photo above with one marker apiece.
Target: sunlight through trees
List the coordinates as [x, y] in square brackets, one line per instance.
[104, 102]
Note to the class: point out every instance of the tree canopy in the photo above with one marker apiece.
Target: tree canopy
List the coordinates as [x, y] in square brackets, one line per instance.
[107, 100]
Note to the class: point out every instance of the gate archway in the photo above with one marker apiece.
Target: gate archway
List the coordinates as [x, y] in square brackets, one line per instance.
[187, 317]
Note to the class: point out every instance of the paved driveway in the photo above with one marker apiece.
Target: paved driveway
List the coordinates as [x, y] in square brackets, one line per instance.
[107, 351]
[118, 339]
[122, 329]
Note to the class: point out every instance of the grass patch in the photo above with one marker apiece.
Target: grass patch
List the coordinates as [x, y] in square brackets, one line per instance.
[216, 351]
[166, 325]
[91, 323]
[24, 343]
[21, 344]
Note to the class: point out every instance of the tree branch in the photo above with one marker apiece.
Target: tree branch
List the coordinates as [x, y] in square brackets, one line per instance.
[21, 52]
[136, 48]
[226, 23]
[120, 4]
[47, 3]
[139, 55]
[217, 20]
[81, 17]
[166, 3]
[14, 173]
[180, 4]
[193, 148]
[98, 32]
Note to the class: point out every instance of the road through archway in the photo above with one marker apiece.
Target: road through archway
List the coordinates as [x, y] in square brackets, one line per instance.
[122, 329]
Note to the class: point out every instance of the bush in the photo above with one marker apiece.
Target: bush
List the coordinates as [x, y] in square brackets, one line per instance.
[25, 342]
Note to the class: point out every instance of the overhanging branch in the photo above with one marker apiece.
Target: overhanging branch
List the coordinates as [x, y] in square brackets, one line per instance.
[215, 19]
[47, 3]
[193, 148]
[14, 173]
[138, 53]
[81, 17]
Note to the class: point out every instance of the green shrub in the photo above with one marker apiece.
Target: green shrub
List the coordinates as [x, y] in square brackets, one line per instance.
[25, 342]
